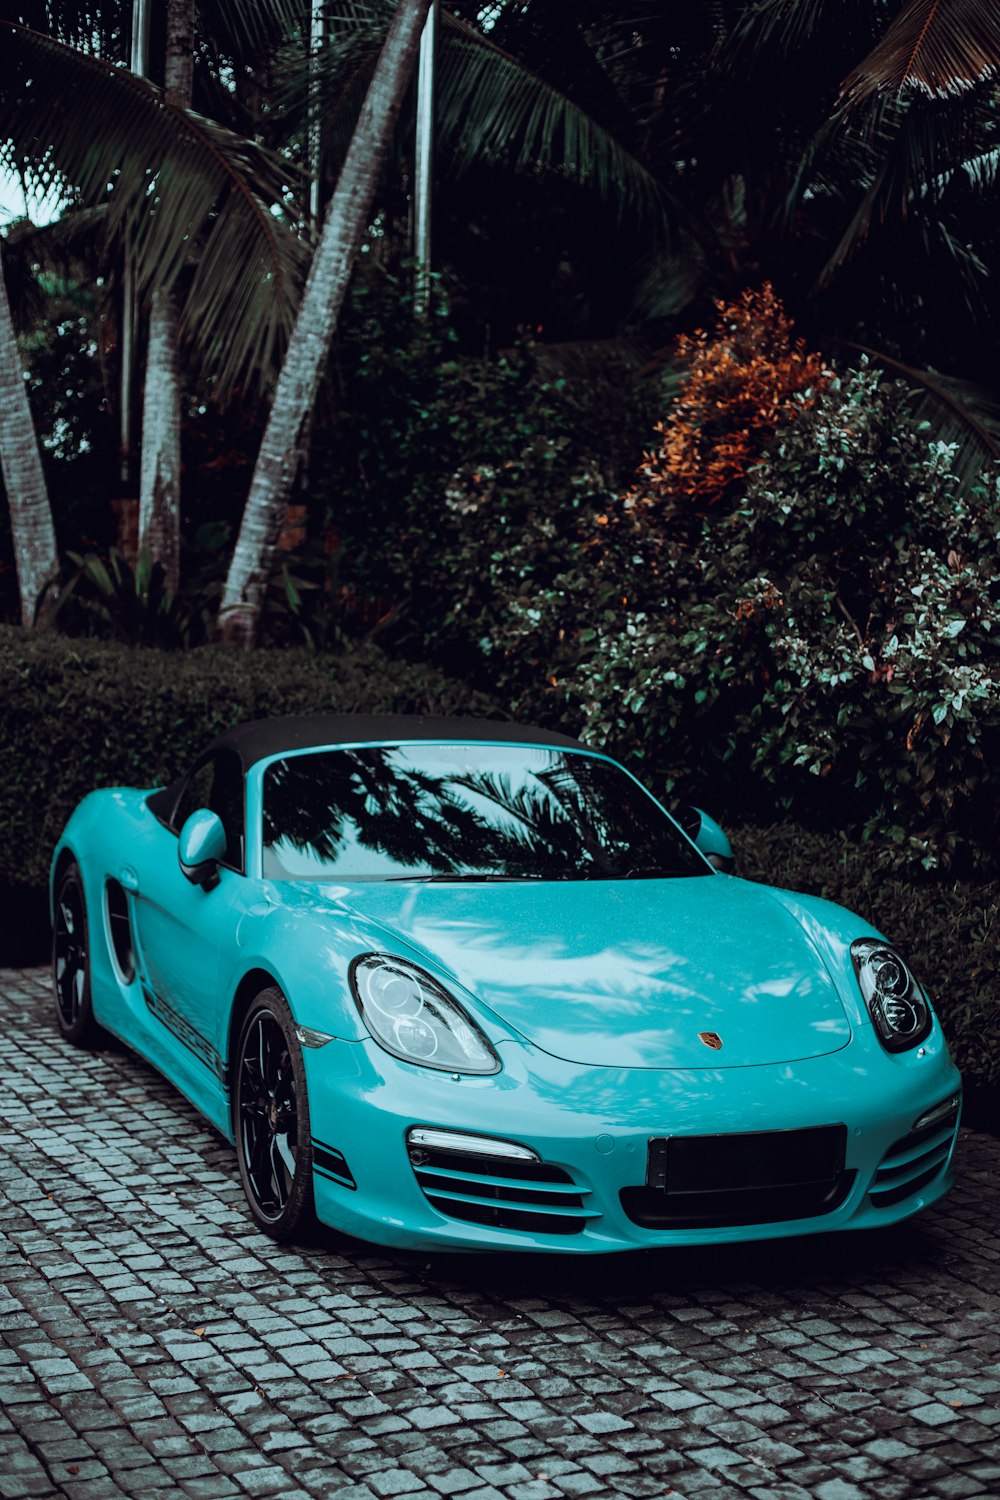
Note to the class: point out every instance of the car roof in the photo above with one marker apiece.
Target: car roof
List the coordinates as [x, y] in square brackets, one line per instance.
[260, 738]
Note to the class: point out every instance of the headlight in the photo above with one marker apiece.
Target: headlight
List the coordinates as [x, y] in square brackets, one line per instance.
[410, 1015]
[895, 1001]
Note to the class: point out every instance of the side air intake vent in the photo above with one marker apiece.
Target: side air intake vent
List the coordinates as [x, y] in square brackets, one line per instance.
[120, 930]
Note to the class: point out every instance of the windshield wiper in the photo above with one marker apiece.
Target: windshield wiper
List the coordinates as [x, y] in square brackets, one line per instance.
[444, 876]
[636, 872]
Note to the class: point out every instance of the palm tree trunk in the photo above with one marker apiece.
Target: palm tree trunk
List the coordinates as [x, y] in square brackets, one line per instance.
[345, 225]
[35, 555]
[160, 471]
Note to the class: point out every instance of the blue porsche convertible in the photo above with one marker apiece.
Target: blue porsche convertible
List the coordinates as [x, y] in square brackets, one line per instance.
[466, 984]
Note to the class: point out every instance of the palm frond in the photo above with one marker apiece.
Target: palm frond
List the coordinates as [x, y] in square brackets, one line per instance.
[905, 155]
[938, 46]
[979, 171]
[785, 25]
[823, 161]
[492, 109]
[667, 285]
[252, 28]
[233, 292]
[165, 178]
[331, 86]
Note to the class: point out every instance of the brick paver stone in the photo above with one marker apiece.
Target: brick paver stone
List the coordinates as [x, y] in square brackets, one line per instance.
[153, 1343]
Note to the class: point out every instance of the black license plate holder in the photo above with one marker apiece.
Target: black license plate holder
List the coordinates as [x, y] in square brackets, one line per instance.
[750, 1161]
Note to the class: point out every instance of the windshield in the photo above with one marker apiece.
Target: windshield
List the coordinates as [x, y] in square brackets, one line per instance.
[503, 812]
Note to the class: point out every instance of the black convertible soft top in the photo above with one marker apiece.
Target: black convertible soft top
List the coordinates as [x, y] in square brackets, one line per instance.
[259, 738]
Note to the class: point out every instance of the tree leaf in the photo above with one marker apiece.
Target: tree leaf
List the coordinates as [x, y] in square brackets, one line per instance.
[175, 187]
[938, 46]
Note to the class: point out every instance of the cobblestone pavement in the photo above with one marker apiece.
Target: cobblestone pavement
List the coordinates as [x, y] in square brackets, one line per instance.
[153, 1343]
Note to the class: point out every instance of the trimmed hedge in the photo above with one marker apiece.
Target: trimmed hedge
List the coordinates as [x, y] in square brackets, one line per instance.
[79, 714]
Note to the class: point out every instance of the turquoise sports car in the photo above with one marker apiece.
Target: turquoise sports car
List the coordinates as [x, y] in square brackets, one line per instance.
[466, 984]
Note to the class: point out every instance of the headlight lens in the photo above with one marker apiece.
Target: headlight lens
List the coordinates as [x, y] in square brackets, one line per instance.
[895, 1001]
[413, 1017]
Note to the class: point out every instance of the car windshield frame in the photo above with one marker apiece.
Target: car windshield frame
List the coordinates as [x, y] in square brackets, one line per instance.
[670, 855]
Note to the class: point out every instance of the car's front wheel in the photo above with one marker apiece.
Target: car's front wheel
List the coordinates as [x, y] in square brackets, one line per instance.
[271, 1119]
[71, 962]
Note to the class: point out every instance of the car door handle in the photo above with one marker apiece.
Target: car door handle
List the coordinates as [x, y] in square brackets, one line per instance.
[129, 879]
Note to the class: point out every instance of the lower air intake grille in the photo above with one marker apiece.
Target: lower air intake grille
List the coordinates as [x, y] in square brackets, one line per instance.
[718, 1181]
[525, 1195]
[912, 1163]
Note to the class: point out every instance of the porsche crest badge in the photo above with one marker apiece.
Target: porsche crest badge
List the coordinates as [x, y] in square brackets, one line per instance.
[711, 1039]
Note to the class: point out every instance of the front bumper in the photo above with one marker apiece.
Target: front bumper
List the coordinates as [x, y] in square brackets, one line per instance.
[592, 1128]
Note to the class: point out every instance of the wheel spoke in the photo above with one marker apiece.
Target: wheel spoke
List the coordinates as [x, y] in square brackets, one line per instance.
[281, 1178]
[264, 1053]
[283, 1147]
[258, 1162]
[252, 1075]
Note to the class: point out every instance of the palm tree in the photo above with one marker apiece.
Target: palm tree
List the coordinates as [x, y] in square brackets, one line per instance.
[35, 555]
[169, 181]
[347, 220]
[162, 180]
[237, 324]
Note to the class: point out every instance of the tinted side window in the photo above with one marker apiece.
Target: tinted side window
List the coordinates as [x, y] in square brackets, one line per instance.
[218, 785]
[227, 800]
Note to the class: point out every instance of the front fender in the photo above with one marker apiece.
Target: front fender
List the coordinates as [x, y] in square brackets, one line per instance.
[307, 954]
[832, 929]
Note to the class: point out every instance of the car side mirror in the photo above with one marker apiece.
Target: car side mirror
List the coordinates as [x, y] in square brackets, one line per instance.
[708, 837]
[200, 848]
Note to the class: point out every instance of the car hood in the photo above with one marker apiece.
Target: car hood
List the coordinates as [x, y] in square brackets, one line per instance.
[623, 973]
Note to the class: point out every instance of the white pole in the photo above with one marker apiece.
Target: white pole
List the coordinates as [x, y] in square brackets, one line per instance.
[423, 171]
[316, 38]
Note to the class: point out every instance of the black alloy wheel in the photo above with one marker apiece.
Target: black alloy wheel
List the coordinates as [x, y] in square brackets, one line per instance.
[271, 1119]
[71, 962]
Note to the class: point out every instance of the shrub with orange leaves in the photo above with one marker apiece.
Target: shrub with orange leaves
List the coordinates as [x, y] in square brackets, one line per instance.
[742, 377]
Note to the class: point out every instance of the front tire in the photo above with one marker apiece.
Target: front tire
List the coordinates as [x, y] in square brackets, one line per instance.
[271, 1119]
[71, 962]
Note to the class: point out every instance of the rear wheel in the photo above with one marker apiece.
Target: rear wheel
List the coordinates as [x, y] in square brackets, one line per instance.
[71, 962]
[271, 1119]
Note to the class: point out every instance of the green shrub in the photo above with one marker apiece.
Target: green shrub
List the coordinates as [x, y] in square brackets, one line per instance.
[827, 647]
[77, 715]
[431, 464]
